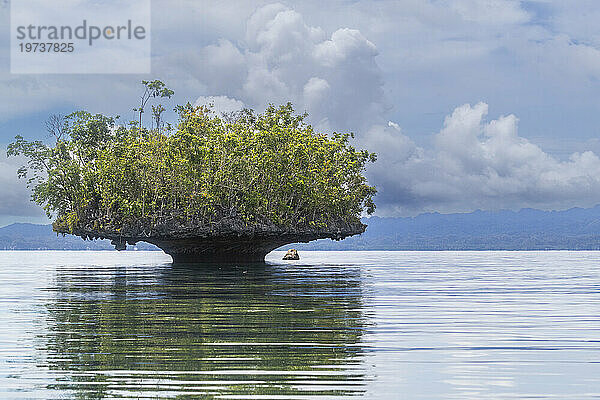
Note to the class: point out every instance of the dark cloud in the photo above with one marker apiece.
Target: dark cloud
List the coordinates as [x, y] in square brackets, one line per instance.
[15, 203]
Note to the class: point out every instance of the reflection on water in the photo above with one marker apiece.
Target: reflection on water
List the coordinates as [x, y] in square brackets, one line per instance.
[409, 325]
[161, 331]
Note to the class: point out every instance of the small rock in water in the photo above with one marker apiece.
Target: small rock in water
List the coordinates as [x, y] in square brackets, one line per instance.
[292, 254]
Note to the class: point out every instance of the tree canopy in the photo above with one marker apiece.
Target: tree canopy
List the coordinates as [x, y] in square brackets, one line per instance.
[269, 168]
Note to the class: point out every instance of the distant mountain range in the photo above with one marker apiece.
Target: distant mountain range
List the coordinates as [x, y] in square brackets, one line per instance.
[41, 237]
[527, 229]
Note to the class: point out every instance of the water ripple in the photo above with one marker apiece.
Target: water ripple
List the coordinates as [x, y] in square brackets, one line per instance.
[415, 325]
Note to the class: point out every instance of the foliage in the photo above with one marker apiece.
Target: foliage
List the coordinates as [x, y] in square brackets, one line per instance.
[269, 168]
[153, 89]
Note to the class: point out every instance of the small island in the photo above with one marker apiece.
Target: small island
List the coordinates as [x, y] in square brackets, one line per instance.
[229, 187]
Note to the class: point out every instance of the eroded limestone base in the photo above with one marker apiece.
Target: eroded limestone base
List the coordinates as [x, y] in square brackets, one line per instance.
[230, 243]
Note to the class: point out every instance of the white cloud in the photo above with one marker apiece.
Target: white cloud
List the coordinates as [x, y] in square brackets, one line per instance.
[315, 90]
[344, 44]
[222, 67]
[220, 104]
[477, 164]
[394, 125]
[282, 58]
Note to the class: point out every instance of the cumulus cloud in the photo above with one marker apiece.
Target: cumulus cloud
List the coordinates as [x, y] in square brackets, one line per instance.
[222, 66]
[283, 58]
[474, 164]
[220, 104]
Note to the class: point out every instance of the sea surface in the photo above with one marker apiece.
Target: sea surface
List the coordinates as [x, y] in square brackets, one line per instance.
[398, 325]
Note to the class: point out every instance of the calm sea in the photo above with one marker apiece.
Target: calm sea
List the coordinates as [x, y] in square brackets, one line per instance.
[406, 325]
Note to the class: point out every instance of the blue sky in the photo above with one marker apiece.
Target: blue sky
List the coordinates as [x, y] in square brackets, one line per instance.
[470, 104]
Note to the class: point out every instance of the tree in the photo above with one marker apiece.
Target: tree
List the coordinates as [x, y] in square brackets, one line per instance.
[153, 89]
[55, 125]
[258, 170]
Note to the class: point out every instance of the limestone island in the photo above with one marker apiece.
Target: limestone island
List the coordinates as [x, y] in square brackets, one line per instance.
[228, 187]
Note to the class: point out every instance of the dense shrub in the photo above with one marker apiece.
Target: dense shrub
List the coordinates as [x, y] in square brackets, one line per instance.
[267, 168]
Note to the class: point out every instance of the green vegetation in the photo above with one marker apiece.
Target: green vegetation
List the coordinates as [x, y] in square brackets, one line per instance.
[157, 320]
[261, 169]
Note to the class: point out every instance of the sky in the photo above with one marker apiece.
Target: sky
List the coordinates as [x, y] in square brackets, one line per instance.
[469, 104]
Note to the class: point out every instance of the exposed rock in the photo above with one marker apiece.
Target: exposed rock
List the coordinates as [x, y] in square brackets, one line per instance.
[226, 240]
[119, 244]
[292, 254]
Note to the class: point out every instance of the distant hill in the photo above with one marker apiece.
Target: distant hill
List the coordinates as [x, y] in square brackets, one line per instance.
[41, 237]
[527, 229]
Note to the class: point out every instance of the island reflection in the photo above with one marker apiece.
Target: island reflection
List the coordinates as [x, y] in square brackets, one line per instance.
[168, 331]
